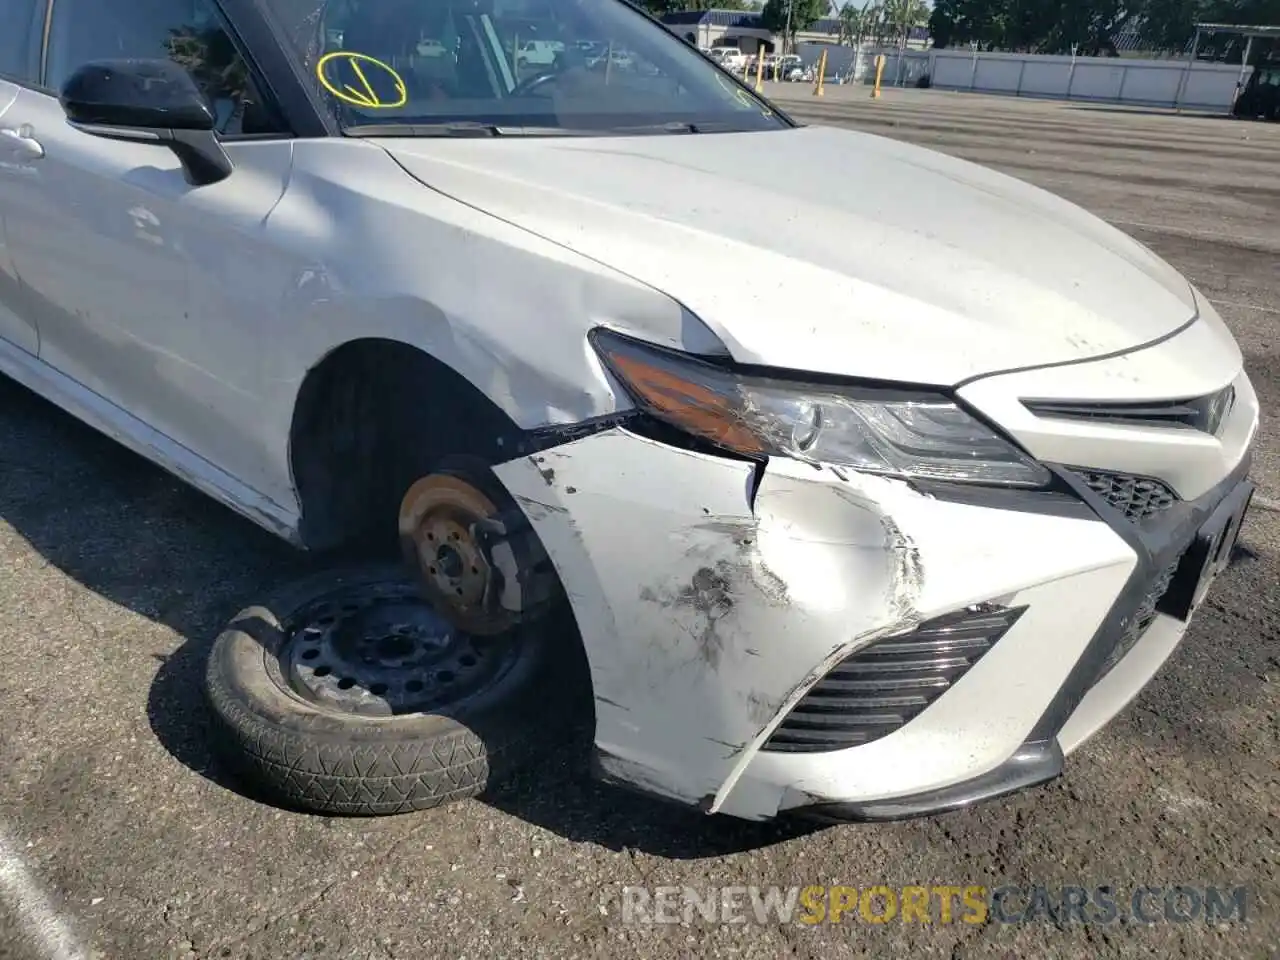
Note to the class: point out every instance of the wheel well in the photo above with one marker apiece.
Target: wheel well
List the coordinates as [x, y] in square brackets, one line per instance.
[372, 417]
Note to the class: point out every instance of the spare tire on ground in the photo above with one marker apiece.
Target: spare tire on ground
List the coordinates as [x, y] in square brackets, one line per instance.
[345, 693]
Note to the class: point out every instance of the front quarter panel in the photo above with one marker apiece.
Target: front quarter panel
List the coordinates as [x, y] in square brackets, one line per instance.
[374, 253]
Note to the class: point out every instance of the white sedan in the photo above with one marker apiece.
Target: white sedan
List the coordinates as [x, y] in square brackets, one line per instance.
[876, 506]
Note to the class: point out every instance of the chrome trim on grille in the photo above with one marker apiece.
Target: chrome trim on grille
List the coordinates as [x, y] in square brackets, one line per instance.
[885, 685]
[1205, 414]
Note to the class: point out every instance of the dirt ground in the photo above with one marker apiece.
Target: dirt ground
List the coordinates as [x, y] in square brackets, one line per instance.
[119, 835]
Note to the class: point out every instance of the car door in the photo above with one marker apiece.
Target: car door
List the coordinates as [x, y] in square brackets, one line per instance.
[149, 291]
[20, 21]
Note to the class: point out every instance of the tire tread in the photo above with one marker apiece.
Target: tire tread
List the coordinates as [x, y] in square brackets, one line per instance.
[393, 772]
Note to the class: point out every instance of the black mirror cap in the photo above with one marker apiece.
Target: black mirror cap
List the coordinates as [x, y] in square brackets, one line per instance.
[143, 94]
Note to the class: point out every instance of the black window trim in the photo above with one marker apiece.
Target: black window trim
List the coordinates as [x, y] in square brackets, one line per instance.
[264, 47]
[264, 53]
[298, 99]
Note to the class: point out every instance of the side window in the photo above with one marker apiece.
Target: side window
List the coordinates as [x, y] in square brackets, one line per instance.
[189, 32]
[17, 31]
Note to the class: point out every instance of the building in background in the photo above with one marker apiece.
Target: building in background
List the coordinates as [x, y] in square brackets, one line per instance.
[735, 28]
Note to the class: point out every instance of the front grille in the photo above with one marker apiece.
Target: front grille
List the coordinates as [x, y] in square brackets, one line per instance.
[888, 683]
[1205, 414]
[1142, 619]
[1138, 498]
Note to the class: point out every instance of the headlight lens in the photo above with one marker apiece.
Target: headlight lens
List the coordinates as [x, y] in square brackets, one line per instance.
[896, 433]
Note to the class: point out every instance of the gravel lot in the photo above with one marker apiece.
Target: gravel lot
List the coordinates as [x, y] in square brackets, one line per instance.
[114, 579]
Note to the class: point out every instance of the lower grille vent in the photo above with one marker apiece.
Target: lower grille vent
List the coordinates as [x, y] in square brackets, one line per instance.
[1138, 498]
[885, 685]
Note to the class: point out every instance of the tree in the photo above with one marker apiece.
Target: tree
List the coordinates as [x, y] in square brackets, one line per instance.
[903, 16]
[1054, 26]
[853, 24]
[213, 62]
[850, 21]
[878, 22]
[804, 14]
[657, 8]
[945, 25]
[1171, 23]
[1088, 26]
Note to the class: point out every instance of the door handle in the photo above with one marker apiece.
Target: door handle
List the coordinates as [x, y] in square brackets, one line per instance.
[22, 141]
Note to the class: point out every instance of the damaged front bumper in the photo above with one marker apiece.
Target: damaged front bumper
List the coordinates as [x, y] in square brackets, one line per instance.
[724, 607]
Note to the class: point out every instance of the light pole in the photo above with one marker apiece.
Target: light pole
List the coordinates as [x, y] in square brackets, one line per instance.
[786, 34]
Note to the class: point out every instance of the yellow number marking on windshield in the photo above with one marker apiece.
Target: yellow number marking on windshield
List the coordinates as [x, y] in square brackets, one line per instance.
[738, 94]
[362, 94]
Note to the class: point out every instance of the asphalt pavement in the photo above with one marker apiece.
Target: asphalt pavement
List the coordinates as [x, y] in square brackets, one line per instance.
[120, 838]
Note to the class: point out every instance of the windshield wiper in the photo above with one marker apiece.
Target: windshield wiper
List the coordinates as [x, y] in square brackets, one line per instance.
[477, 128]
[680, 126]
[460, 128]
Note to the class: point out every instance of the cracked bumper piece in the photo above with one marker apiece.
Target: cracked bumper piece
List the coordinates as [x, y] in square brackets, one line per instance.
[729, 613]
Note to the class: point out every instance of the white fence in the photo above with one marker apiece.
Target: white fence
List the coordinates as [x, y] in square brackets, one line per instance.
[1153, 83]
[1150, 83]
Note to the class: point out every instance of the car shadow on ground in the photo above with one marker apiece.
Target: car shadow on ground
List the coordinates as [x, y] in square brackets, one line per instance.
[560, 795]
[126, 530]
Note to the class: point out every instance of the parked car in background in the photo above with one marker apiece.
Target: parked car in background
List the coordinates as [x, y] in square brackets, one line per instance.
[731, 58]
[539, 52]
[617, 58]
[1260, 99]
[790, 67]
[430, 47]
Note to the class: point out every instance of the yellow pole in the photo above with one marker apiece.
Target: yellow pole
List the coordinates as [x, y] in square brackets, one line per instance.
[880, 64]
[822, 72]
[760, 70]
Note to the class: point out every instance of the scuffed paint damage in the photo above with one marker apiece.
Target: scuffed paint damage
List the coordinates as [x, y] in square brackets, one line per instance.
[548, 474]
[621, 772]
[725, 592]
[909, 570]
[715, 593]
[539, 509]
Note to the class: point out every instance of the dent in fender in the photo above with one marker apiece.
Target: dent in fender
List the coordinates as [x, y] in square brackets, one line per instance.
[703, 618]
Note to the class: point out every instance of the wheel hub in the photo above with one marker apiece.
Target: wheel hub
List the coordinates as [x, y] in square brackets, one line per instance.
[481, 568]
[454, 565]
[438, 518]
[381, 651]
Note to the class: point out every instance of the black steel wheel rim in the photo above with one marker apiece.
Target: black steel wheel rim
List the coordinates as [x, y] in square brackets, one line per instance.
[379, 650]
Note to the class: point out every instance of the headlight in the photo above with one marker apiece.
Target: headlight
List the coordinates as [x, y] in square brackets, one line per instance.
[898, 433]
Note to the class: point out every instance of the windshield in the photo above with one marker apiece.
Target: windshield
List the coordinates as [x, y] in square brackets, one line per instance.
[552, 65]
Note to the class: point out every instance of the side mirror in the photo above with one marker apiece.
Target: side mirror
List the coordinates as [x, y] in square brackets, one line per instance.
[148, 101]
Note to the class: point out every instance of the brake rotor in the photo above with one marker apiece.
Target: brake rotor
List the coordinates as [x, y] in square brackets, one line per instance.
[438, 517]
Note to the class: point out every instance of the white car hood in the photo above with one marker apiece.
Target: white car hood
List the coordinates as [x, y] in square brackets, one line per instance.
[827, 250]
